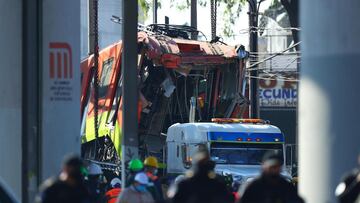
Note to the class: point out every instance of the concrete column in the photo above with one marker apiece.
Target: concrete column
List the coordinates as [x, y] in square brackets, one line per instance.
[30, 55]
[60, 83]
[31, 153]
[129, 147]
[91, 24]
[329, 96]
[10, 92]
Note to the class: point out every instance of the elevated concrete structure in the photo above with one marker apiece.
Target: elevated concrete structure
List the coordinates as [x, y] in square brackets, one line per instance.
[40, 90]
[329, 99]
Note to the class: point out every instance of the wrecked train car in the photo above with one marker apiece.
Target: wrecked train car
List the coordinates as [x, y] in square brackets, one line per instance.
[172, 70]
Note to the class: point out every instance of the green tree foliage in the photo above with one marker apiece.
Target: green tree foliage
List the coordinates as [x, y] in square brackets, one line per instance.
[275, 10]
[292, 8]
[291, 19]
[232, 11]
[145, 6]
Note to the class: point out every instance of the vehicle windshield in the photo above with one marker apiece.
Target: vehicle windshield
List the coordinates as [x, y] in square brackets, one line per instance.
[241, 153]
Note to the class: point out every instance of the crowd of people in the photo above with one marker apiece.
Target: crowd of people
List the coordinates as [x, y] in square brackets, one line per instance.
[201, 184]
[80, 184]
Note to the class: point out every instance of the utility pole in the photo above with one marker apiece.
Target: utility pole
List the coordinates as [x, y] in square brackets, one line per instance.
[129, 148]
[91, 23]
[194, 17]
[328, 105]
[31, 136]
[155, 7]
[254, 83]
[167, 22]
[213, 16]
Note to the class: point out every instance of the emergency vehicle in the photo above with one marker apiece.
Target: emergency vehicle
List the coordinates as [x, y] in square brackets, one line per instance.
[236, 145]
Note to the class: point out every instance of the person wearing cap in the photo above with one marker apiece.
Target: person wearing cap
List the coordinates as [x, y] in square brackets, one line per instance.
[151, 166]
[137, 192]
[94, 181]
[112, 195]
[270, 186]
[67, 187]
[135, 166]
[201, 184]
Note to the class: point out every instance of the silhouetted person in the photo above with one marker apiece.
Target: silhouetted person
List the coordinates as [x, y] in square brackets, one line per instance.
[202, 186]
[349, 189]
[94, 182]
[270, 187]
[68, 187]
[174, 186]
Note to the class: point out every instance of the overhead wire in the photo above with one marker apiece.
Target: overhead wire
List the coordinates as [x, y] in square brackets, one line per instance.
[273, 56]
[254, 29]
[279, 68]
[273, 78]
[270, 53]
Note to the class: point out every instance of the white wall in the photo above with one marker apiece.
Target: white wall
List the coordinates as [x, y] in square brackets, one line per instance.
[10, 93]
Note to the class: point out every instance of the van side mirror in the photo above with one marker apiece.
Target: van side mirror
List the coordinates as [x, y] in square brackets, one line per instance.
[290, 157]
[186, 157]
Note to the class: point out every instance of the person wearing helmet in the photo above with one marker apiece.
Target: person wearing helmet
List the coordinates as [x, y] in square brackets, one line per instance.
[94, 181]
[135, 166]
[112, 195]
[151, 166]
[137, 192]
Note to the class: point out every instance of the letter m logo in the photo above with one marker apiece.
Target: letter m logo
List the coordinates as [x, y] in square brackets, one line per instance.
[60, 59]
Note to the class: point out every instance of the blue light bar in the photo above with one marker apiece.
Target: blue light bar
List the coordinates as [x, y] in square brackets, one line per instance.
[244, 137]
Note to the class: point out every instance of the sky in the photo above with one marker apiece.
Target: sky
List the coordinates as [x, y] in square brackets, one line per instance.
[204, 24]
[110, 32]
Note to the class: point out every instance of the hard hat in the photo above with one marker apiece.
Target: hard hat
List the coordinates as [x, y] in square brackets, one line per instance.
[94, 169]
[136, 165]
[142, 178]
[84, 171]
[151, 161]
[115, 182]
